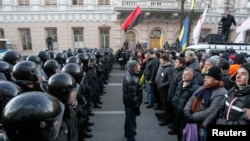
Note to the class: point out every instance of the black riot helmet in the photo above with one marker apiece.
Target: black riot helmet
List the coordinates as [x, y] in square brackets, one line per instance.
[69, 53]
[60, 58]
[51, 54]
[12, 57]
[61, 85]
[25, 72]
[99, 54]
[74, 70]
[6, 69]
[32, 116]
[73, 59]
[44, 55]
[92, 59]
[35, 59]
[79, 50]
[51, 67]
[8, 90]
[84, 57]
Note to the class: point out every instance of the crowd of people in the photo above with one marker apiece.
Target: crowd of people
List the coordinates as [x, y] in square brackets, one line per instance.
[50, 95]
[188, 87]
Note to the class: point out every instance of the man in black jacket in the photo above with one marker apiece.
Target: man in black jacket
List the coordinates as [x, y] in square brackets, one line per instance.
[132, 98]
[227, 21]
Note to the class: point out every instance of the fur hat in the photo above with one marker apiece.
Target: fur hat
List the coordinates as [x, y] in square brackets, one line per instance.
[245, 66]
[215, 72]
[131, 65]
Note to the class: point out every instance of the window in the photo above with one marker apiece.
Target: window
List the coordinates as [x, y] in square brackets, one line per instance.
[26, 39]
[1, 33]
[52, 32]
[104, 38]
[247, 38]
[104, 2]
[23, 2]
[155, 38]
[131, 38]
[77, 2]
[50, 2]
[78, 37]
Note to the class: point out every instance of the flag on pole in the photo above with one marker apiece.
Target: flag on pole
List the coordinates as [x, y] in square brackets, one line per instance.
[162, 40]
[197, 29]
[244, 25]
[134, 18]
[241, 37]
[183, 34]
[241, 29]
[191, 4]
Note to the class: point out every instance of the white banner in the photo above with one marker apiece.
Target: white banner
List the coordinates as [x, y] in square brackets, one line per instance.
[197, 29]
[243, 26]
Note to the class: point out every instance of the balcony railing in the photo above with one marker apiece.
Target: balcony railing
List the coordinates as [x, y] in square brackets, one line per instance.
[119, 5]
[157, 4]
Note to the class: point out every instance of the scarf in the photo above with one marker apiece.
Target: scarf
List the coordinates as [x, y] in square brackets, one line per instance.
[201, 97]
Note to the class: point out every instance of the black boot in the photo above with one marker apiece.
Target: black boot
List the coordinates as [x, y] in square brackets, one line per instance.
[97, 106]
[87, 135]
[99, 101]
[88, 129]
[90, 123]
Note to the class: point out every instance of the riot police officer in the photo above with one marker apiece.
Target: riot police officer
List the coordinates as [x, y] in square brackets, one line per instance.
[64, 87]
[82, 108]
[32, 116]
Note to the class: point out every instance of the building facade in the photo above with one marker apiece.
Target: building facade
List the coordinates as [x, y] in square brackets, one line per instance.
[97, 23]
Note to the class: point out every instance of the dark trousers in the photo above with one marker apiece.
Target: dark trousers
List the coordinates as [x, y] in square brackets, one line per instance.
[130, 124]
[225, 32]
[50, 46]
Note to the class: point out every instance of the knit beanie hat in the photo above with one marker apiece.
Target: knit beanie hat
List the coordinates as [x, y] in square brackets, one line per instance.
[245, 66]
[215, 72]
[216, 58]
[212, 61]
[131, 64]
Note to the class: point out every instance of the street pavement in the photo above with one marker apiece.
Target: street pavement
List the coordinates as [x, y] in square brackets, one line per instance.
[109, 120]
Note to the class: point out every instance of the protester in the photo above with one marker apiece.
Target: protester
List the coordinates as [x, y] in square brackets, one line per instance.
[132, 98]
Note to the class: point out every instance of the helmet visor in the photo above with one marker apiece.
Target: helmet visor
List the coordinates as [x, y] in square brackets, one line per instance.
[51, 127]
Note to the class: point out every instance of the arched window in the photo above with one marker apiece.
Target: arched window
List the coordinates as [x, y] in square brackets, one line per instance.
[131, 38]
[155, 38]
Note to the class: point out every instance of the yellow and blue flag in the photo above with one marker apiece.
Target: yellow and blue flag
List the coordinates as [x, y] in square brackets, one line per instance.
[191, 4]
[183, 34]
[162, 40]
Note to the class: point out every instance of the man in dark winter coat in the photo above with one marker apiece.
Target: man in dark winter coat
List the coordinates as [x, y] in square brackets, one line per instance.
[227, 21]
[184, 91]
[132, 98]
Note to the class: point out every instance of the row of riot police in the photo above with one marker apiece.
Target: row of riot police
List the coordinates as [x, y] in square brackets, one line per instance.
[50, 96]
